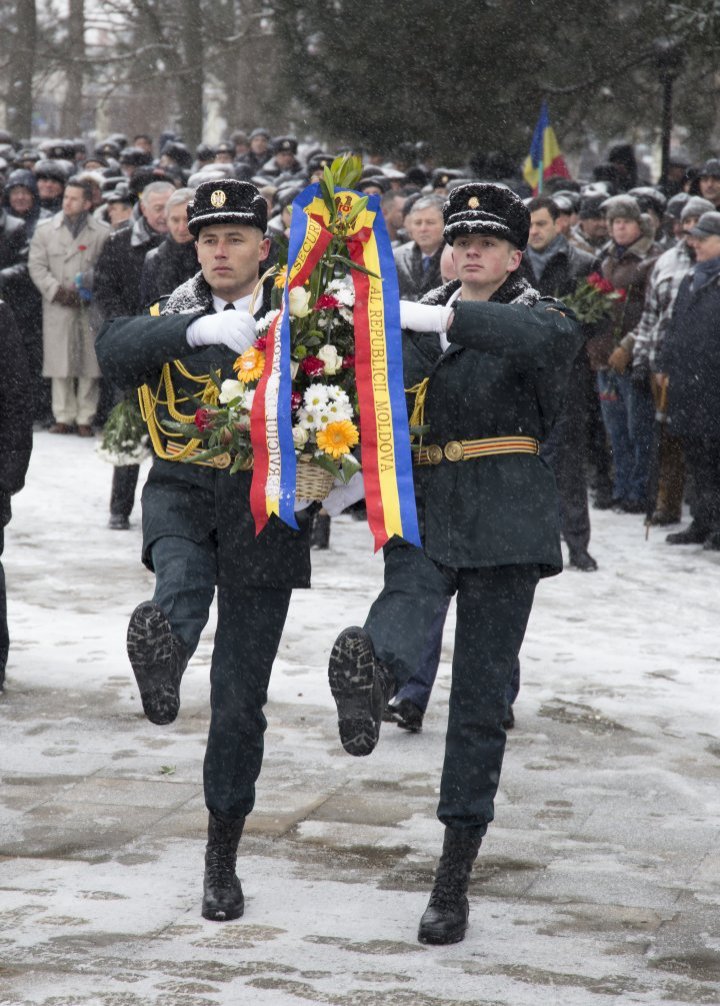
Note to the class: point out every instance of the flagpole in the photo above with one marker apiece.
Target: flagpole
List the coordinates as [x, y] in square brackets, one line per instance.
[541, 171]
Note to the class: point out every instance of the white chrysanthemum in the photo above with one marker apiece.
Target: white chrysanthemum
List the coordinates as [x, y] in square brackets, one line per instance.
[339, 410]
[343, 290]
[264, 323]
[346, 315]
[336, 393]
[315, 396]
[307, 419]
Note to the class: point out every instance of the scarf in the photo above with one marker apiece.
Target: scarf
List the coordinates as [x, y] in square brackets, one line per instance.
[539, 259]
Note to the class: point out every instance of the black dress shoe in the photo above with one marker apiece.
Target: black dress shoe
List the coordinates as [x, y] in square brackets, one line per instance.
[118, 522]
[408, 716]
[158, 659]
[581, 559]
[693, 535]
[320, 532]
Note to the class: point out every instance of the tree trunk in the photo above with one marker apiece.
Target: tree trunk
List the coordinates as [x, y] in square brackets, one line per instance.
[20, 71]
[71, 120]
[190, 81]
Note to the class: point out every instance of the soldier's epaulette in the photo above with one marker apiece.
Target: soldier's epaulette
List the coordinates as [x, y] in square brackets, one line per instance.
[156, 307]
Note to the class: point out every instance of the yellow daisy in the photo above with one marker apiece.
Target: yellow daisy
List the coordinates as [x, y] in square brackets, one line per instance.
[336, 439]
[250, 365]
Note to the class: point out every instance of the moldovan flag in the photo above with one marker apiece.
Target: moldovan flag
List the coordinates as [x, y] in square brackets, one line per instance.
[545, 159]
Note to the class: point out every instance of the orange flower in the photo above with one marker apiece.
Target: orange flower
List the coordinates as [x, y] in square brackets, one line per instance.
[336, 439]
[250, 365]
[281, 277]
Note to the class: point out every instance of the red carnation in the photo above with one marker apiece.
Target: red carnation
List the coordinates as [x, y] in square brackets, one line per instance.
[203, 419]
[312, 366]
[295, 400]
[82, 247]
[326, 302]
[348, 362]
[261, 343]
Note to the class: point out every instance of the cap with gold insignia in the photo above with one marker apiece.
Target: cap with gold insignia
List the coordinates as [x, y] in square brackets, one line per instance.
[226, 201]
[484, 208]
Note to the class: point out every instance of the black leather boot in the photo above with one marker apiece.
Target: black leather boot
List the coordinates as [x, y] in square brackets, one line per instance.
[361, 686]
[158, 660]
[222, 894]
[446, 917]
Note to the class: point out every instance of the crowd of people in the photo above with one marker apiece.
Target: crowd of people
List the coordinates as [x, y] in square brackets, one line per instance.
[621, 404]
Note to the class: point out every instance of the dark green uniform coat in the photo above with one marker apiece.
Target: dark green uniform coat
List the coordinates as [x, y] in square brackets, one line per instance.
[503, 375]
[188, 500]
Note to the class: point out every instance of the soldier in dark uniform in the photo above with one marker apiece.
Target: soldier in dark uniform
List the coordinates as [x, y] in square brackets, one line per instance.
[488, 363]
[198, 531]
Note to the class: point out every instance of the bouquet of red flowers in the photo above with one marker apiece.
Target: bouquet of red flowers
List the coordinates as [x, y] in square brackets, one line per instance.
[594, 298]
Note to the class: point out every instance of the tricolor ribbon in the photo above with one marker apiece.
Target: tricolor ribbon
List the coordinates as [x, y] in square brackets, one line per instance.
[384, 435]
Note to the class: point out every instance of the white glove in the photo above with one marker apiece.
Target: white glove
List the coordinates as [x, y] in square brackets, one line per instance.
[234, 329]
[343, 495]
[425, 317]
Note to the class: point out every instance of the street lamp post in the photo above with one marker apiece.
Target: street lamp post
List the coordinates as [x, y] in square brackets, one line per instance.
[669, 59]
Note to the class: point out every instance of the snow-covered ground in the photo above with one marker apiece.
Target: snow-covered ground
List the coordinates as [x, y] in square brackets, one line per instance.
[598, 883]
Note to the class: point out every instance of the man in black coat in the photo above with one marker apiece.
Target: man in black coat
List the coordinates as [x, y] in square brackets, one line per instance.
[117, 293]
[488, 364]
[198, 530]
[554, 267]
[418, 260]
[689, 361]
[174, 260]
[16, 435]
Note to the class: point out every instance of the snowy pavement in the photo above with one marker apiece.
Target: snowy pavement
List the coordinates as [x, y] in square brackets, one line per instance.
[598, 883]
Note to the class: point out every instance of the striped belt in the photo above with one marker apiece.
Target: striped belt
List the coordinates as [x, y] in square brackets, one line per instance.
[219, 461]
[464, 450]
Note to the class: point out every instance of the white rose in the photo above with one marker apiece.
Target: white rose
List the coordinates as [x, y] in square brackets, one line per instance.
[300, 436]
[230, 390]
[299, 302]
[329, 356]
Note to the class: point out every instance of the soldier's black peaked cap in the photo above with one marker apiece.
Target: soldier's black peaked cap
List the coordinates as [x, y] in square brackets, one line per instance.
[483, 208]
[226, 201]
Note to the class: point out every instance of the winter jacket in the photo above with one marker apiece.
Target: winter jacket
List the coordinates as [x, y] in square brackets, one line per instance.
[667, 275]
[504, 374]
[56, 258]
[562, 272]
[690, 356]
[414, 282]
[26, 179]
[119, 269]
[627, 269]
[15, 416]
[165, 268]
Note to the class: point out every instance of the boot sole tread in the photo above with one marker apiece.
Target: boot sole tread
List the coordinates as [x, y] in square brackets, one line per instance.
[351, 674]
[150, 650]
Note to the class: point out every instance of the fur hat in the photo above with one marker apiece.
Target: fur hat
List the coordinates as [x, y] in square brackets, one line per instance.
[695, 206]
[484, 208]
[226, 201]
[622, 206]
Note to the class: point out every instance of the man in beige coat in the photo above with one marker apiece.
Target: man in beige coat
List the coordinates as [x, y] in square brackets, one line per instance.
[63, 253]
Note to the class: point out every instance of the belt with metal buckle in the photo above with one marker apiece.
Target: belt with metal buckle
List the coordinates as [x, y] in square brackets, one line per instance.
[464, 450]
[219, 461]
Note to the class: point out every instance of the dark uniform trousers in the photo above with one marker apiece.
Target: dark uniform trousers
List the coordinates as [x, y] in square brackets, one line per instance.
[493, 607]
[249, 626]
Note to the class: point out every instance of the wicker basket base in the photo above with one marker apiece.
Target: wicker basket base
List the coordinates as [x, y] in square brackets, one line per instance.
[312, 482]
